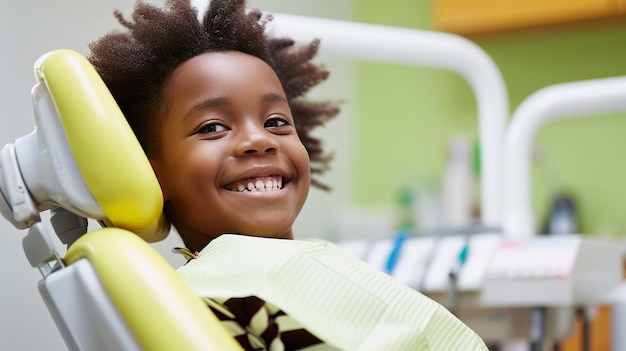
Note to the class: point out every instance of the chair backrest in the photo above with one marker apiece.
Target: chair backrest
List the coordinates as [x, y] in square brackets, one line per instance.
[111, 290]
[82, 155]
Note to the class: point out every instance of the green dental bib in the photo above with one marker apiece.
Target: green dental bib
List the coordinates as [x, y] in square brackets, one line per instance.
[342, 300]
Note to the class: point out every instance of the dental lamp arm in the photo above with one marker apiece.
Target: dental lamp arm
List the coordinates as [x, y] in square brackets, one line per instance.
[567, 100]
[360, 41]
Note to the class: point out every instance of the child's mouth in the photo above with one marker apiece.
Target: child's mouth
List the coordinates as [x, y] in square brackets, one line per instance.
[269, 183]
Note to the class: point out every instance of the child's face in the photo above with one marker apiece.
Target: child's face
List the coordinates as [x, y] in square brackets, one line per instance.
[227, 126]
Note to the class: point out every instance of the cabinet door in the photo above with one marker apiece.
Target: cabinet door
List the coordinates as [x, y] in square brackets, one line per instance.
[482, 16]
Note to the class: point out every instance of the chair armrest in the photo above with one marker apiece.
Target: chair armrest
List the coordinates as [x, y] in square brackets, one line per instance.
[159, 308]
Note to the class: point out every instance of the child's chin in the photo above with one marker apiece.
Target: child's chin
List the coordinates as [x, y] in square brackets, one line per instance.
[271, 235]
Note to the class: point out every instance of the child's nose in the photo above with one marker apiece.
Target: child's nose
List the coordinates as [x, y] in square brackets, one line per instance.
[255, 140]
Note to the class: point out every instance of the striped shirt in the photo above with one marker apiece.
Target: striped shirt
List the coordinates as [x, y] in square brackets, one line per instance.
[258, 325]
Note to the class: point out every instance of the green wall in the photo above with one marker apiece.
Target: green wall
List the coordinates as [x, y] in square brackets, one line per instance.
[406, 114]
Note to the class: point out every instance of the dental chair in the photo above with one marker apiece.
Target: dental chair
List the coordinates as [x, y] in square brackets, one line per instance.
[111, 290]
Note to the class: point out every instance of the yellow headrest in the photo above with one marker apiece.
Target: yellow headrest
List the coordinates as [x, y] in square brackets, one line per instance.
[106, 151]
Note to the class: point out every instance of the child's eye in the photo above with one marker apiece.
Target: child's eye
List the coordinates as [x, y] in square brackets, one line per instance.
[275, 122]
[210, 128]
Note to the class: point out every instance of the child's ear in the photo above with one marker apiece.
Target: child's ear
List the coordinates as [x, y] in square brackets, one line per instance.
[156, 167]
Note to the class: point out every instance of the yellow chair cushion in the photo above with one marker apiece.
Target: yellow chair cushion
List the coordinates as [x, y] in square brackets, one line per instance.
[105, 149]
[161, 310]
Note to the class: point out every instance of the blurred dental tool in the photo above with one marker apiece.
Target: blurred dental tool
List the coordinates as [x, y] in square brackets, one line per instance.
[407, 224]
[453, 276]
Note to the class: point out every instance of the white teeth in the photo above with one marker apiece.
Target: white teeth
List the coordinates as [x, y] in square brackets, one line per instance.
[260, 184]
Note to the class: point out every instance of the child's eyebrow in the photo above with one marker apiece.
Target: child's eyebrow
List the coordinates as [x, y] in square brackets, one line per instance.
[208, 103]
[274, 97]
[221, 101]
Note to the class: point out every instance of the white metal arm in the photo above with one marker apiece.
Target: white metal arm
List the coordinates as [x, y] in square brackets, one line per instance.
[359, 41]
[567, 100]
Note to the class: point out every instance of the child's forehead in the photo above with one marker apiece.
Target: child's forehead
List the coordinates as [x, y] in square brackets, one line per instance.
[226, 59]
[220, 68]
[222, 79]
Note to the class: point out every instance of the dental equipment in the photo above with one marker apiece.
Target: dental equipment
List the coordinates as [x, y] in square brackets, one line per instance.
[599, 261]
[111, 290]
[567, 100]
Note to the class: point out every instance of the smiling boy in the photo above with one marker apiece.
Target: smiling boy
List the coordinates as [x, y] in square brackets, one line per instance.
[230, 159]
[219, 109]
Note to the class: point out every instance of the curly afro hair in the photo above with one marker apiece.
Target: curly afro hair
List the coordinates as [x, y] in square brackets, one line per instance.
[135, 64]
